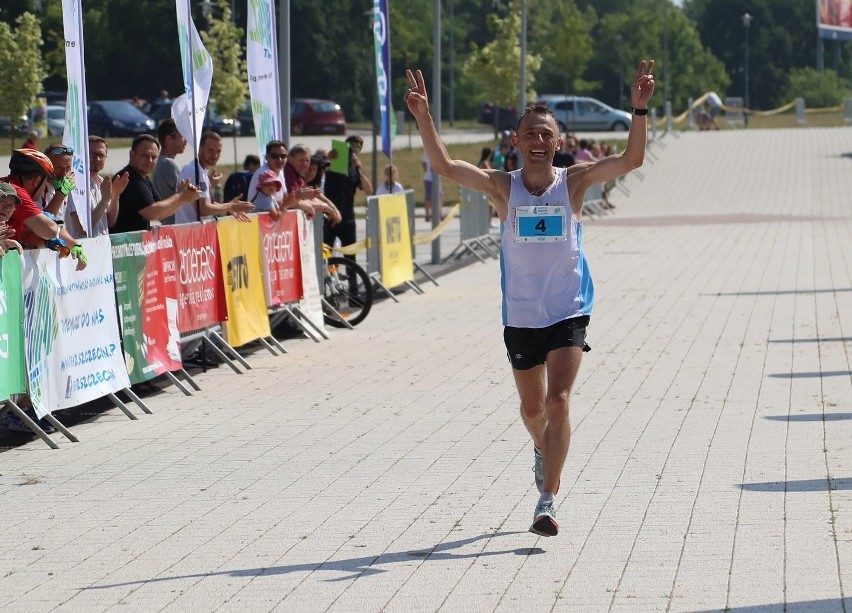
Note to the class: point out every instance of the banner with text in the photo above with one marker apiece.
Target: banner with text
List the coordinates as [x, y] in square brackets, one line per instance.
[190, 108]
[76, 134]
[381, 44]
[73, 347]
[12, 363]
[192, 253]
[310, 304]
[282, 264]
[248, 319]
[395, 243]
[147, 306]
[262, 67]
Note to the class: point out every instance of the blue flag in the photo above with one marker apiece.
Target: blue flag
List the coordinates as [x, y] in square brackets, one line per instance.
[381, 36]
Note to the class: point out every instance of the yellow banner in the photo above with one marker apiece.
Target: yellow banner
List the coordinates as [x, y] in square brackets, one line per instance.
[394, 240]
[239, 244]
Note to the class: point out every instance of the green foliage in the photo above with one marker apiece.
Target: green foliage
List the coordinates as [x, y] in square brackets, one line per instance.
[23, 69]
[818, 90]
[496, 66]
[225, 42]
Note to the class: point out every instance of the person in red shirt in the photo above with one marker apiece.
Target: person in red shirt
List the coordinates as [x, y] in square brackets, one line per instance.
[30, 171]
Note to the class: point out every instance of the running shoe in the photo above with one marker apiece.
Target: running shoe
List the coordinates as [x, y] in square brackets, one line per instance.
[544, 522]
[538, 469]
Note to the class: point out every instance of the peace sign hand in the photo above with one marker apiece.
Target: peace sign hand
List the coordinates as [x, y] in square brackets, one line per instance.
[643, 87]
[415, 96]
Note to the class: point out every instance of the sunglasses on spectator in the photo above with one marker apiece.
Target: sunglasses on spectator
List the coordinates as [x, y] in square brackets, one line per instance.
[278, 156]
[61, 150]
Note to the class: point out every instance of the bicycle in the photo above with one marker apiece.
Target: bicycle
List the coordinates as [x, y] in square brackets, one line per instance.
[347, 291]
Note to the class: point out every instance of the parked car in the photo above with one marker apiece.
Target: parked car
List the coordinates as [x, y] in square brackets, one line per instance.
[576, 113]
[20, 126]
[312, 116]
[54, 117]
[118, 118]
[225, 126]
[246, 117]
[508, 117]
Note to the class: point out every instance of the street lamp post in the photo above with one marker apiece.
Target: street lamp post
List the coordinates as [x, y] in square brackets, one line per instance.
[619, 39]
[746, 19]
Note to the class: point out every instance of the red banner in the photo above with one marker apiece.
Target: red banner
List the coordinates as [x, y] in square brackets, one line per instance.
[281, 259]
[160, 307]
[194, 258]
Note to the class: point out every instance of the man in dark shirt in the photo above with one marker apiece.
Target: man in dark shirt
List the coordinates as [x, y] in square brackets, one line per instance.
[564, 157]
[340, 189]
[140, 203]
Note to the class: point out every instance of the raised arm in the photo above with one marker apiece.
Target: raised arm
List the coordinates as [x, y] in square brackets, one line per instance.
[493, 182]
[584, 175]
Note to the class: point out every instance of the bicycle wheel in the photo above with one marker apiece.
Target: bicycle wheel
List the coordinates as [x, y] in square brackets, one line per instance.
[348, 290]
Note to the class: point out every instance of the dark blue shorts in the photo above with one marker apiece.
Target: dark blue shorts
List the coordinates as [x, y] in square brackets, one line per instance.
[528, 347]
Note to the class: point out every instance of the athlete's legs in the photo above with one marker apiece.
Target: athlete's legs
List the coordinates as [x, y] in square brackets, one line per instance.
[544, 392]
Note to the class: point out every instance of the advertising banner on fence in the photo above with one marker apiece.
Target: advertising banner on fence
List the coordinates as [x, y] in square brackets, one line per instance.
[262, 66]
[147, 312]
[12, 364]
[394, 241]
[192, 253]
[310, 303]
[239, 243]
[71, 335]
[282, 264]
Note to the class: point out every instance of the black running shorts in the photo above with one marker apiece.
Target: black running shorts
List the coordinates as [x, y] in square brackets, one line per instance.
[528, 347]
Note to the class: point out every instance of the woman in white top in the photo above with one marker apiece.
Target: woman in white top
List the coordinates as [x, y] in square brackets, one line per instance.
[390, 184]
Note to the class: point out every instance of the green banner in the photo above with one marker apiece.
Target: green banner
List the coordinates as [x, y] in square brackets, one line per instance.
[128, 263]
[12, 360]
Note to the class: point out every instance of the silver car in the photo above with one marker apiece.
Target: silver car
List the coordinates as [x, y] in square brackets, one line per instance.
[576, 114]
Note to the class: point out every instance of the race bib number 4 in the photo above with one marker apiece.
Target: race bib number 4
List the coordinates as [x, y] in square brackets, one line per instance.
[540, 224]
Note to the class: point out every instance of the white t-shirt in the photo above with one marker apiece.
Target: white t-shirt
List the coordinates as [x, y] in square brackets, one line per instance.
[427, 174]
[382, 190]
[101, 227]
[188, 213]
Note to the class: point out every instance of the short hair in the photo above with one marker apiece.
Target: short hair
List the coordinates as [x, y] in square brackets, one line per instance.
[535, 108]
[143, 138]
[97, 139]
[251, 160]
[355, 139]
[165, 128]
[299, 149]
[209, 135]
[273, 144]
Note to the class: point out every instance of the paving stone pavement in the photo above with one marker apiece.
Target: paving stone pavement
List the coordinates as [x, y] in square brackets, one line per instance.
[388, 469]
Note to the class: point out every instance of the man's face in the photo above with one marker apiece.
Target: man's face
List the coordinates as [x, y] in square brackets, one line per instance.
[276, 158]
[571, 145]
[178, 142]
[300, 162]
[144, 158]
[7, 207]
[538, 138]
[210, 152]
[61, 164]
[97, 156]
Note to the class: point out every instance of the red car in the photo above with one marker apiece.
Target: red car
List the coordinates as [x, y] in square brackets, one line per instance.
[312, 116]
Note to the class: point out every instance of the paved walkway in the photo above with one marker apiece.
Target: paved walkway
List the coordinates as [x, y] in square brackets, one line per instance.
[387, 469]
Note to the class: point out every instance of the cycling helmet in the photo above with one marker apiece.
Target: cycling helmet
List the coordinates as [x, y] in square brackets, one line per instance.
[30, 161]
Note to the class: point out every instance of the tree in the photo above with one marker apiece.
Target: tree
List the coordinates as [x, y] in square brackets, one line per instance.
[23, 69]
[496, 66]
[819, 90]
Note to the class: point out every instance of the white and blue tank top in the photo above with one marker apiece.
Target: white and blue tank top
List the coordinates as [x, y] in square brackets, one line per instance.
[545, 277]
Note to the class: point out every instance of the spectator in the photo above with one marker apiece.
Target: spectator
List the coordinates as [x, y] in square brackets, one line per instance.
[268, 185]
[202, 171]
[104, 193]
[62, 182]
[486, 158]
[316, 172]
[390, 185]
[9, 199]
[582, 154]
[427, 187]
[30, 171]
[715, 104]
[32, 140]
[167, 170]
[295, 172]
[237, 185]
[340, 189]
[276, 158]
[163, 98]
[564, 158]
[140, 203]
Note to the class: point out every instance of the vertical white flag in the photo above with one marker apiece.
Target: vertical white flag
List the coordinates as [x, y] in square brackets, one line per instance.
[189, 108]
[76, 133]
[262, 63]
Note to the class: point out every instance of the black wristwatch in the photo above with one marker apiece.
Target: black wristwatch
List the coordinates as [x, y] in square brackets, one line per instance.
[639, 111]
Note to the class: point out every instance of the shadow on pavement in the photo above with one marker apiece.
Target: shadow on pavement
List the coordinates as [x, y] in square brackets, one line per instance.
[800, 485]
[811, 417]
